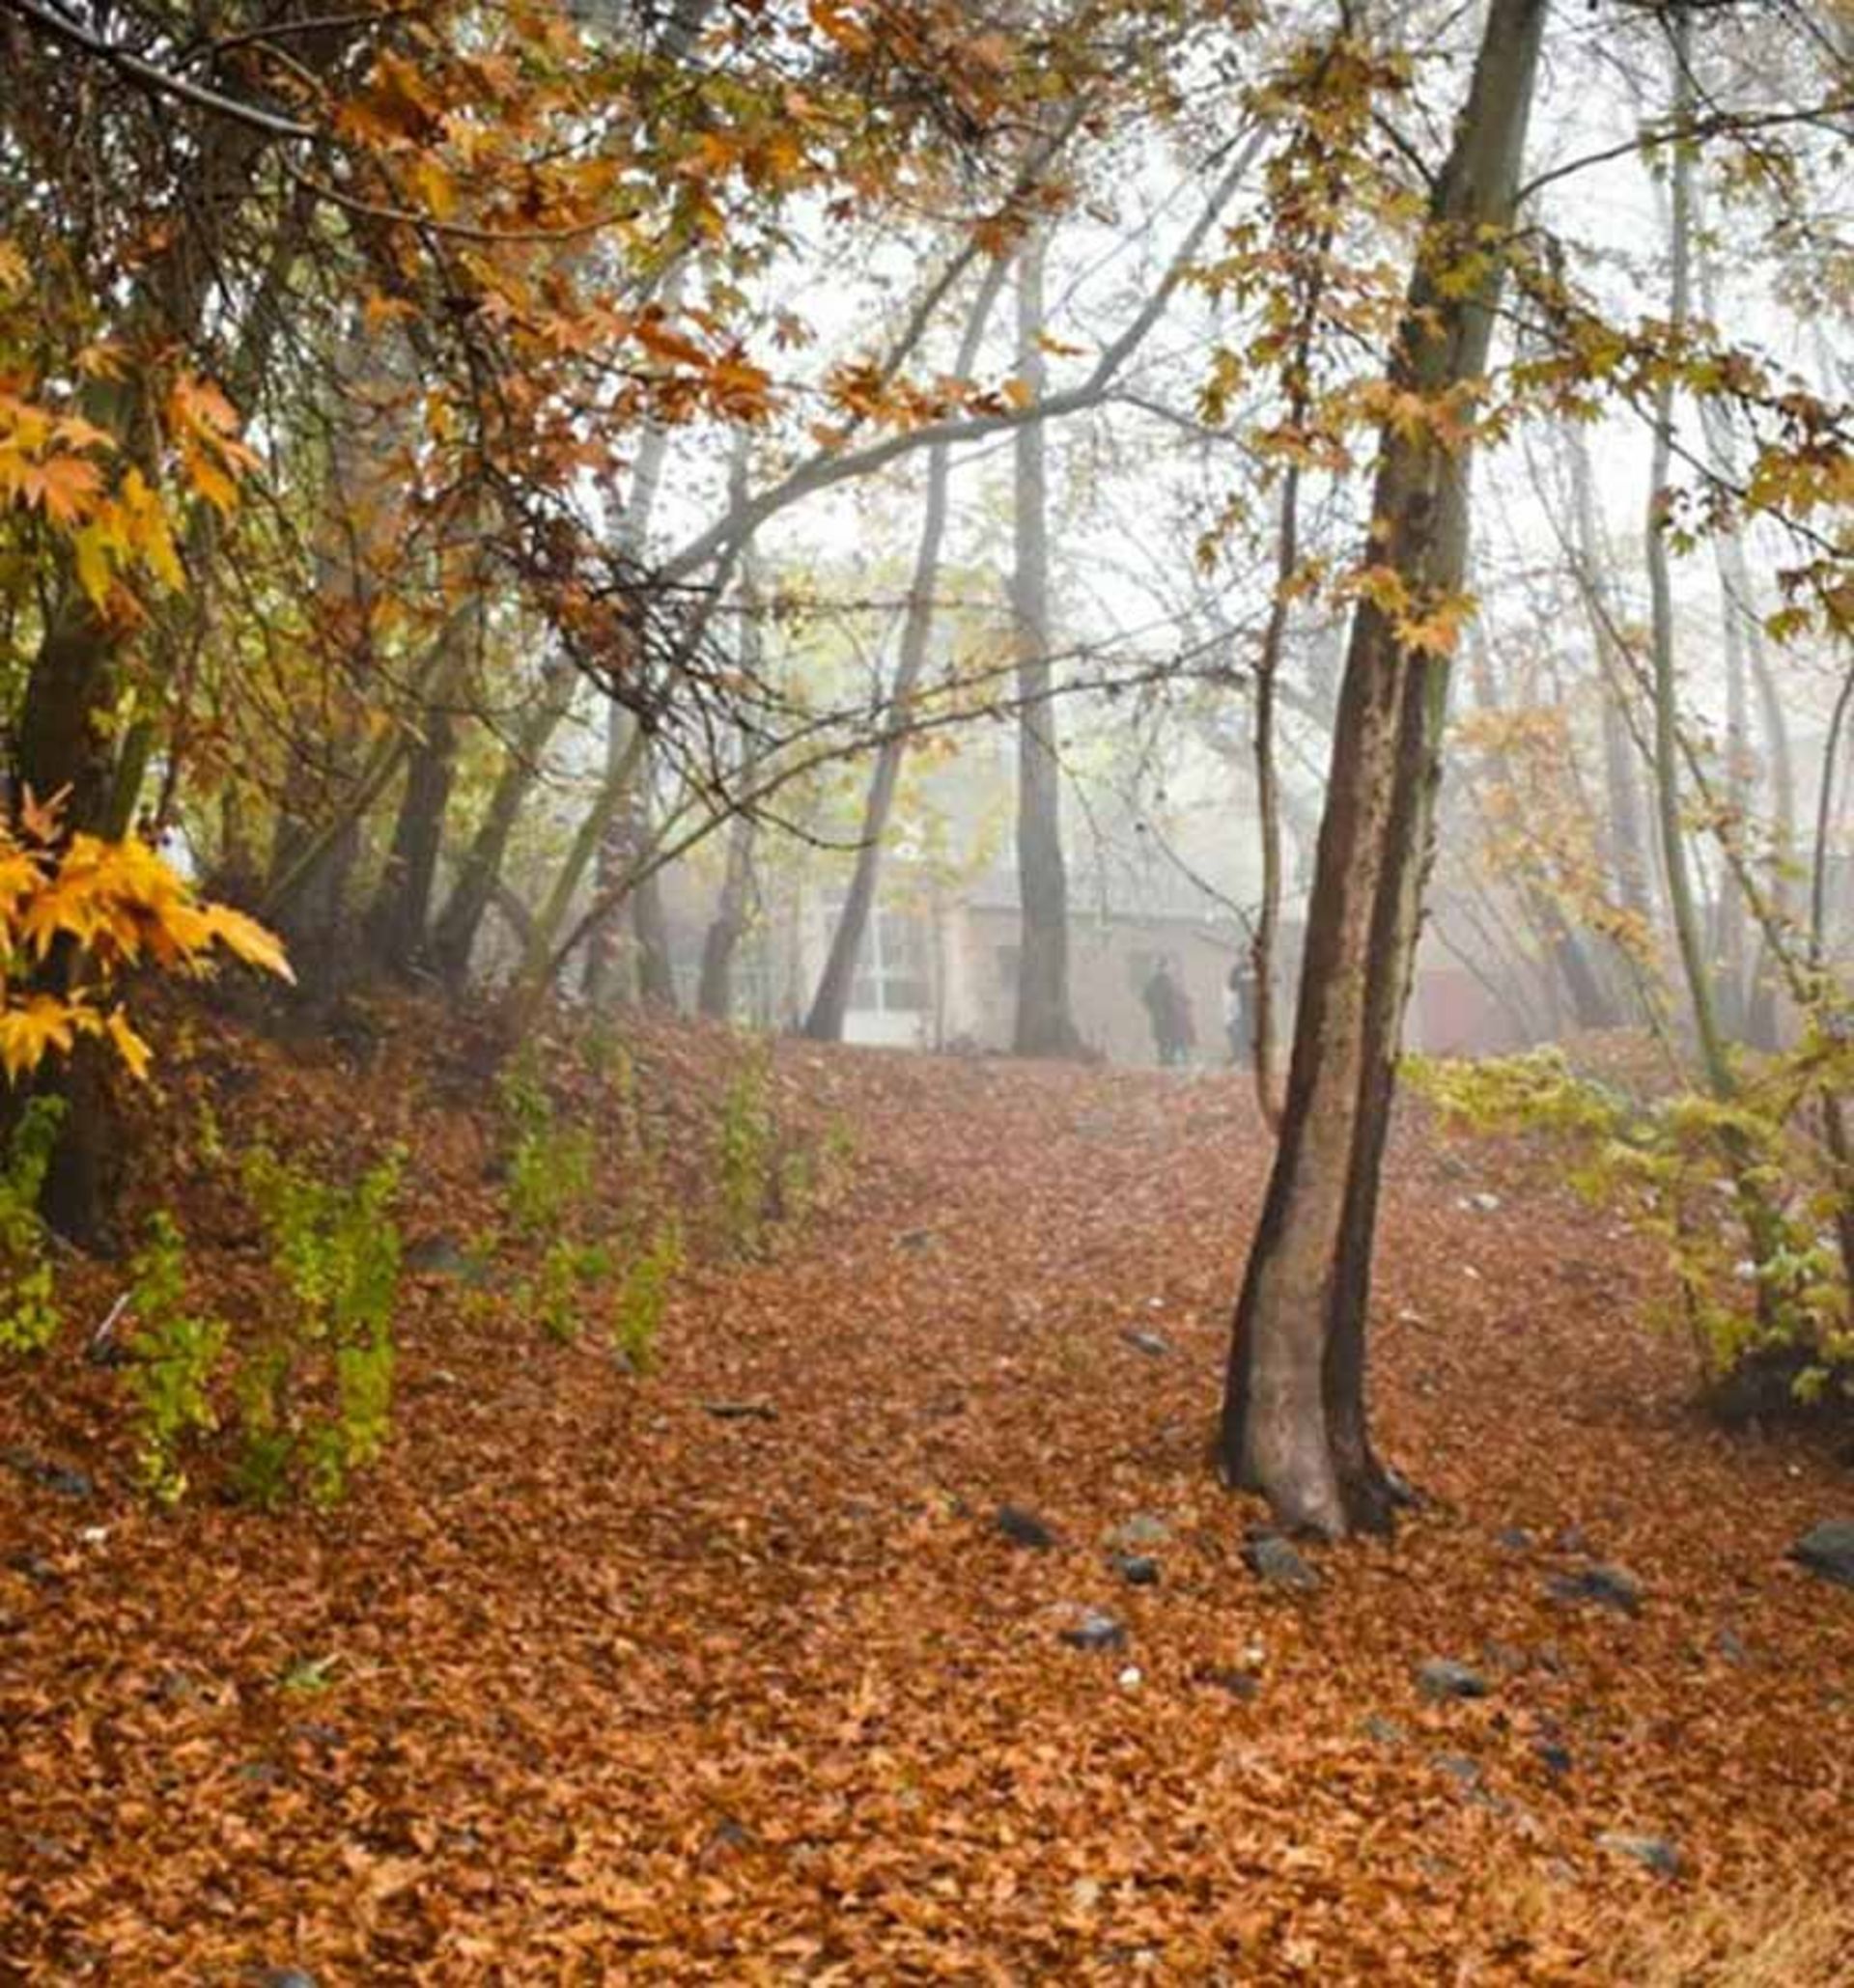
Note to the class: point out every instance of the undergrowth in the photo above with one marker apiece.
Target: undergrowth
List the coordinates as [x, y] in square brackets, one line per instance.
[1749, 1205]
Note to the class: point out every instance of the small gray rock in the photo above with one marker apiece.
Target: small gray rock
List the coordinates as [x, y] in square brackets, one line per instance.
[1274, 1562]
[1442, 1678]
[1095, 1630]
[1458, 1767]
[1553, 1756]
[1225, 1677]
[1024, 1529]
[1608, 1586]
[1653, 1853]
[1513, 1539]
[1153, 1344]
[1386, 1732]
[281, 1978]
[1828, 1550]
[1136, 1570]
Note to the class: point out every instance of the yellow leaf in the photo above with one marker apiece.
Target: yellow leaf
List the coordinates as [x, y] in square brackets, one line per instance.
[249, 941]
[27, 1033]
[131, 1048]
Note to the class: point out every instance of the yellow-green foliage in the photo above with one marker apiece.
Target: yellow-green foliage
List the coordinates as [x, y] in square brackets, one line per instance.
[1742, 1193]
[336, 1252]
[29, 1316]
[174, 1352]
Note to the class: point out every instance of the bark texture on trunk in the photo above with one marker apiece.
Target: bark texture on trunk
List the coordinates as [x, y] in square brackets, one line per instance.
[1293, 1419]
[1045, 1023]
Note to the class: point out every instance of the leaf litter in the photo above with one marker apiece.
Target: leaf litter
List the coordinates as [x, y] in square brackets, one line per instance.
[595, 1680]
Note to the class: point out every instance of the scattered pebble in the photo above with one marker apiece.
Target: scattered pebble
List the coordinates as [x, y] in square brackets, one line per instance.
[1442, 1678]
[1653, 1853]
[1023, 1528]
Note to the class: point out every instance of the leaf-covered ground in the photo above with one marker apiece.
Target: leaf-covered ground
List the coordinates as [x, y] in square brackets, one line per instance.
[591, 1683]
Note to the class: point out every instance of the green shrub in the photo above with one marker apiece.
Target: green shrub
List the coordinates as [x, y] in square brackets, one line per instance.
[336, 1252]
[549, 1165]
[29, 1316]
[173, 1356]
[1742, 1197]
[643, 1290]
[747, 1155]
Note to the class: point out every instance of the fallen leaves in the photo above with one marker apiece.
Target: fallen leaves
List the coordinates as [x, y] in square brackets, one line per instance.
[622, 1689]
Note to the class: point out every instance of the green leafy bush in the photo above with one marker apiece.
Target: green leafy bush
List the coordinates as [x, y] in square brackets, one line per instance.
[549, 1165]
[314, 1397]
[1746, 1202]
[747, 1156]
[643, 1292]
[173, 1354]
[29, 1317]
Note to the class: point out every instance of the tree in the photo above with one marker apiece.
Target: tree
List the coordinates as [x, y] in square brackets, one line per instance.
[1044, 1025]
[1294, 1423]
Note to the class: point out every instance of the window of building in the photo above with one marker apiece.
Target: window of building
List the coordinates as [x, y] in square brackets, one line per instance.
[893, 974]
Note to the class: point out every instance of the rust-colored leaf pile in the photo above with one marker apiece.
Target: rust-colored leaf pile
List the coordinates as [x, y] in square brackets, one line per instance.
[730, 1673]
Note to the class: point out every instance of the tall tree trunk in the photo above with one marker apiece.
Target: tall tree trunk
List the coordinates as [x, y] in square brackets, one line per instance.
[618, 850]
[1682, 901]
[1294, 1416]
[715, 985]
[831, 1002]
[1045, 1023]
[1623, 841]
[454, 935]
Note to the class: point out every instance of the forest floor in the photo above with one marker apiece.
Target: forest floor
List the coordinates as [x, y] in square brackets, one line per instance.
[590, 1682]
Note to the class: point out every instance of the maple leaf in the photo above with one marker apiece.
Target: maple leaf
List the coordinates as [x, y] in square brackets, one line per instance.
[65, 488]
[32, 1029]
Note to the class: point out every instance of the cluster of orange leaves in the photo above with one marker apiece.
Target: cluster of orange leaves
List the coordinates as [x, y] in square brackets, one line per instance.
[120, 904]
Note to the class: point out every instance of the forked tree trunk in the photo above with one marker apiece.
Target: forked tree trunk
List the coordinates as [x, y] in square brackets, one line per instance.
[1294, 1421]
[1044, 1025]
[830, 1004]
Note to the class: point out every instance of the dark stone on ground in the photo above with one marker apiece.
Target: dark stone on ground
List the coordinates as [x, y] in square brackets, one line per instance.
[1459, 1767]
[1653, 1853]
[1732, 1647]
[741, 1411]
[1513, 1539]
[1442, 1678]
[1828, 1550]
[1386, 1731]
[1225, 1677]
[1273, 1560]
[280, 1977]
[1152, 1344]
[1608, 1586]
[1552, 1755]
[1136, 1570]
[1093, 1629]
[41, 1471]
[1024, 1529]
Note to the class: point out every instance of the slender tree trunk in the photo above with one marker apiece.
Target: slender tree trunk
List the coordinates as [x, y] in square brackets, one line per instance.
[1268, 793]
[454, 935]
[714, 983]
[1045, 1023]
[1293, 1419]
[831, 1002]
[1624, 840]
[1682, 902]
[618, 851]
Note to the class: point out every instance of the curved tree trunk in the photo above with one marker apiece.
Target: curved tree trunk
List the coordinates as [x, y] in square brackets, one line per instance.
[1294, 1416]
